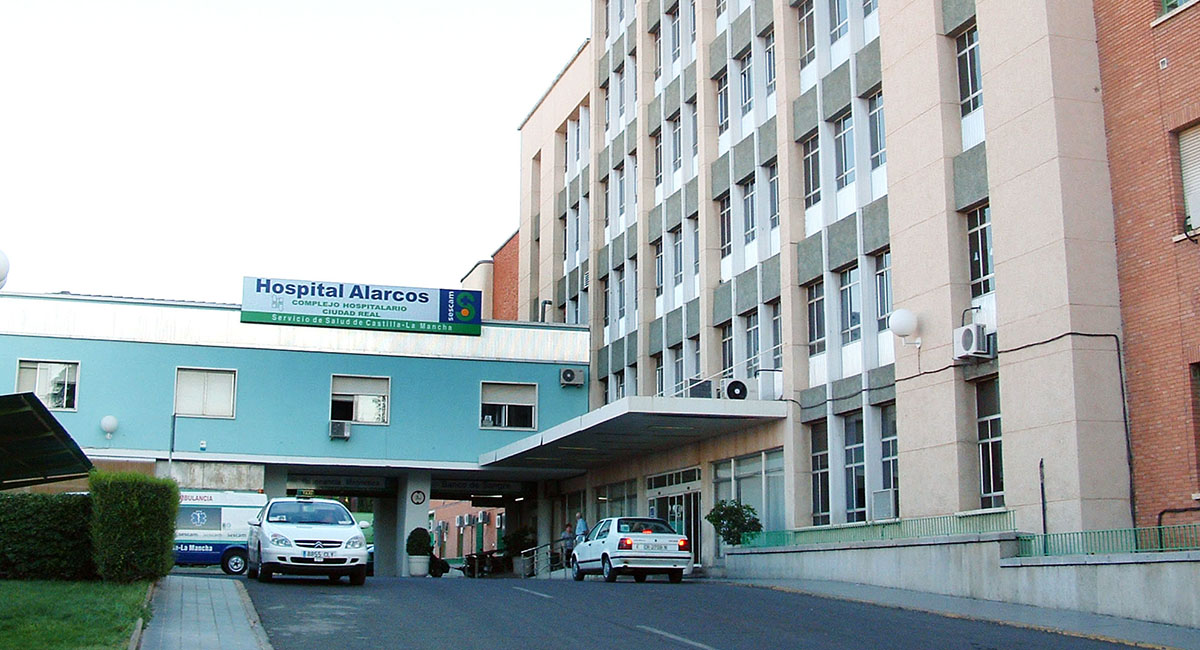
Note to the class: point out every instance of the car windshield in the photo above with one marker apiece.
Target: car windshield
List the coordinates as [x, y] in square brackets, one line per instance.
[647, 526]
[308, 512]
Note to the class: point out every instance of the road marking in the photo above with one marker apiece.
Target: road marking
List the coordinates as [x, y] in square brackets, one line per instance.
[535, 593]
[676, 638]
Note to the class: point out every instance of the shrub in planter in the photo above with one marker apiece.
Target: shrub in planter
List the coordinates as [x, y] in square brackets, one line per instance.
[732, 519]
[418, 542]
[133, 525]
[46, 537]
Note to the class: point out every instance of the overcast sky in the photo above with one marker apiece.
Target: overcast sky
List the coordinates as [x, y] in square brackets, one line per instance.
[166, 148]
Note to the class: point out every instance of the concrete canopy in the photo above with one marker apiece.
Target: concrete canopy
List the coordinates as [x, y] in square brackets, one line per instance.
[632, 426]
[34, 447]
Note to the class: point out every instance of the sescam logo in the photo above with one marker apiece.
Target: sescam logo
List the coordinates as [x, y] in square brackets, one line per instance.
[361, 306]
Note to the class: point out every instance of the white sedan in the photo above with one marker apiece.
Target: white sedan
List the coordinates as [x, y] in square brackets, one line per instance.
[307, 537]
[639, 546]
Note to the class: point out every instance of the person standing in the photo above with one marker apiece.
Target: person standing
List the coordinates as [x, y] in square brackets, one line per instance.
[581, 526]
[567, 540]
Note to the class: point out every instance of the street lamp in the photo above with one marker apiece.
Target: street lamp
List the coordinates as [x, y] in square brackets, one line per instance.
[3, 269]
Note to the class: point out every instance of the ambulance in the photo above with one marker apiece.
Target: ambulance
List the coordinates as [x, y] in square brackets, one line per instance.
[211, 528]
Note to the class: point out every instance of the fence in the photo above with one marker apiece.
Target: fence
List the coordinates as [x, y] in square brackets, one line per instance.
[1155, 539]
[914, 528]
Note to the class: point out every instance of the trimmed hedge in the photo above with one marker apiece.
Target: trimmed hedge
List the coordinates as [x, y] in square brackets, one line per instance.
[46, 537]
[133, 525]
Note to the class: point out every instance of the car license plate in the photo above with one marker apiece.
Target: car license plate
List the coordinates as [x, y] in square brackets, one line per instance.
[655, 547]
[318, 555]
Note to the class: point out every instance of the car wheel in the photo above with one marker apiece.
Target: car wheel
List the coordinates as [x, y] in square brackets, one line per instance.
[264, 572]
[639, 577]
[676, 575]
[358, 576]
[234, 562]
[610, 574]
[576, 572]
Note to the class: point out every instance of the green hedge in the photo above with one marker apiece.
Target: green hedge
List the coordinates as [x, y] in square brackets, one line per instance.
[46, 536]
[133, 525]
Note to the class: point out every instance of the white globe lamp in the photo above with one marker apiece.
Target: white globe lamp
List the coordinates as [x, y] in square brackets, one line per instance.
[903, 323]
[108, 424]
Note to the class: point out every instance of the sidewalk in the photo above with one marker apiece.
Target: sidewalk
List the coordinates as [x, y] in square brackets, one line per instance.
[1093, 626]
[198, 611]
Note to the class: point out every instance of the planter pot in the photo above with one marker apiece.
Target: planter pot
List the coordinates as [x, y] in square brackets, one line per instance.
[418, 566]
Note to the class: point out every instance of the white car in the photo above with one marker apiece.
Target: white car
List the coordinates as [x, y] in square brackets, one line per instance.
[301, 536]
[639, 546]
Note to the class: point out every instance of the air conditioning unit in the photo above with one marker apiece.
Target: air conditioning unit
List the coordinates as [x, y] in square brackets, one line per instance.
[883, 504]
[585, 281]
[971, 342]
[738, 389]
[700, 388]
[770, 384]
[483, 516]
[458, 521]
[339, 430]
[570, 377]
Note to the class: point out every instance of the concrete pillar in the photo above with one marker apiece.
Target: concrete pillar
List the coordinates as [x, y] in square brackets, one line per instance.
[387, 551]
[274, 481]
[544, 532]
[413, 511]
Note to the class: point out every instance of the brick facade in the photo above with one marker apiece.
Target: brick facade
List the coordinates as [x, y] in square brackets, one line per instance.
[1150, 72]
[505, 269]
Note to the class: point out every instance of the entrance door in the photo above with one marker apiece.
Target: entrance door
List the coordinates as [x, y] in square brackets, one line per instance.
[682, 511]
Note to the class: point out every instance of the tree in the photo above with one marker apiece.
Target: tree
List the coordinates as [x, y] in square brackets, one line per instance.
[732, 519]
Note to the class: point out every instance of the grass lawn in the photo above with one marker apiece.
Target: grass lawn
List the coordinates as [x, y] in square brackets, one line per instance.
[48, 614]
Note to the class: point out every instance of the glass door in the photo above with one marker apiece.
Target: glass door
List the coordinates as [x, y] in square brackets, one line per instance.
[682, 511]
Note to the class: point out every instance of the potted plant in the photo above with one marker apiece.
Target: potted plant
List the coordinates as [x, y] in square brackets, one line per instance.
[418, 547]
[732, 519]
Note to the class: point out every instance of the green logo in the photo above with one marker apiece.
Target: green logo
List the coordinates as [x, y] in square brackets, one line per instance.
[464, 307]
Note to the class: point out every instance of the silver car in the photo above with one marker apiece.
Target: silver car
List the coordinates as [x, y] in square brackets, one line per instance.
[301, 536]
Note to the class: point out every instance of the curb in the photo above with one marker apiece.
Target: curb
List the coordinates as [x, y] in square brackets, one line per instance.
[260, 635]
[965, 617]
[135, 639]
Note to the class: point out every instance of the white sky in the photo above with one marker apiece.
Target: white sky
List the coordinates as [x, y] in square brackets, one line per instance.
[166, 148]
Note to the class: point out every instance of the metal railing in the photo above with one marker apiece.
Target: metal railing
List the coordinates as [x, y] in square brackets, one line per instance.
[914, 528]
[546, 559]
[1154, 539]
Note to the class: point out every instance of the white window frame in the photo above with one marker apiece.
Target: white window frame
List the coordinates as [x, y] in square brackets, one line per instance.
[233, 396]
[723, 102]
[78, 368]
[536, 404]
[387, 404]
[769, 51]
[850, 303]
[725, 217]
[875, 120]
[970, 75]
[982, 267]
[749, 217]
[811, 151]
[746, 77]
[843, 148]
[808, 33]
[839, 20]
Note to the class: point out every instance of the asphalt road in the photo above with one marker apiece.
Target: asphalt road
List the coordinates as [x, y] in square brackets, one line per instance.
[461, 614]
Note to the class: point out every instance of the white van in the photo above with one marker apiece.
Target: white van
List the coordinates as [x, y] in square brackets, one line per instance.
[211, 528]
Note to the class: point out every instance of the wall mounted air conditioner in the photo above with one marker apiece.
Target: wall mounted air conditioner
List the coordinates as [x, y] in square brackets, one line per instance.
[458, 521]
[339, 430]
[971, 342]
[738, 389]
[700, 388]
[770, 384]
[483, 516]
[883, 504]
[570, 377]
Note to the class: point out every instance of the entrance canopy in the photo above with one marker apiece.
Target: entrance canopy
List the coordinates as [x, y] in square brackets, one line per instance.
[34, 447]
[632, 426]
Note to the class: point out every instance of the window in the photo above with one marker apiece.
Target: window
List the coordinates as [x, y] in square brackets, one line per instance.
[851, 303]
[695, 343]
[720, 7]
[616, 500]
[748, 219]
[755, 480]
[839, 20]
[676, 144]
[869, 7]
[619, 80]
[890, 455]
[657, 37]
[820, 474]
[360, 399]
[619, 274]
[752, 344]
[1189, 167]
[727, 350]
[692, 18]
[633, 282]
[776, 336]
[746, 65]
[658, 374]
[723, 103]
[205, 393]
[773, 195]
[812, 171]
[816, 318]
[607, 13]
[604, 297]
[843, 145]
[991, 465]
[658, 268]
[883, 289]
[677, 366]
[769, 50]
[856, 476]
[508, 406]
[726, 217]
[808, 33]
[621, 11]
[607, 206]
[604, 90]
[695, 129]
[673, 21]
[696, 246]
[55, 383]
[979, 240]
[676, 257]
[618, 384]
[620, 172]
[875, 121]
[970, 83]
[658, 158]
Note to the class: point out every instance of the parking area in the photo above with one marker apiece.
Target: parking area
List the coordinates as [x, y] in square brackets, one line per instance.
[311, 613]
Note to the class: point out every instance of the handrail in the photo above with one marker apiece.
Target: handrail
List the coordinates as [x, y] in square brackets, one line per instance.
[541, 557]
[1150, 539]
[977, 522]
